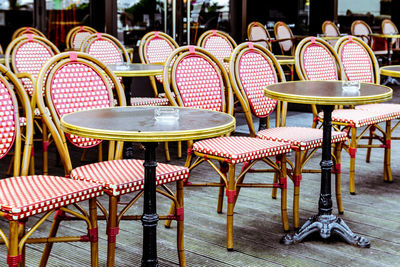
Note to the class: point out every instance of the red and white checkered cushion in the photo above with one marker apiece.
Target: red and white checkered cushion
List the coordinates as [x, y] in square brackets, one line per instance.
[393, 110]
[79, 37]
[258, 33]
[149, 101]
[283, 33]
[319, 63]
[25, 196]
[7, 120]
[240, 149]
[106, 51]
[357, 117]
[30, 57]
[77, 86]
[256, 72]
[127, 175]
[219, 47]
[301, 138]
[357, 64]
[199, 83]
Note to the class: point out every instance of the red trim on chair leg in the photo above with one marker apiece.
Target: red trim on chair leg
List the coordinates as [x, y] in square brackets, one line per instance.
[190, 151]
[352, 152]
[337, 169]
[14, 260]
[112, 234]
[94, 235]
[283, 183]
[388, 144]
[33, 151]
[180, 214]
[46, 145]
[245, 165]
[372, 129]
[231, 195]
[297, 179]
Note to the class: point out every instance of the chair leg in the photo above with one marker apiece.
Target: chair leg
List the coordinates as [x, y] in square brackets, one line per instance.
[352, 152]
[179, 149]
[276, 180]
[297, 176]
[45, 149]
[53, 232]
[180, 222]
[230, 192]
[338, 176]
[21, 233]
[93, 233]
[112, 231]
[166, 148]
[283, 183]
[13, 258]
[387, 159]
[370, 139]
[224, 169]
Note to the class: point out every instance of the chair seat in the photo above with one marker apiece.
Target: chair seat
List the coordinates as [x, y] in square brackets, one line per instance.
[393, 110]
[25, 196]
[126, 175]
[149, 101]
[357, 117]
[300, 138]
[240, 149]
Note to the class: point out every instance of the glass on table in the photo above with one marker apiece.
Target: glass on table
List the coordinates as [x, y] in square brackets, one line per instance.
[166, 114]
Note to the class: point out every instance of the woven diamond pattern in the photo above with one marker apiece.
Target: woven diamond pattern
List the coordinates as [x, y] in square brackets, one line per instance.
[256, 72]
[357, 63]
[199, 83]
[77, 86]
[149, 101]
[219, 47]
[319, 64]
[79, 37]
[7, 120]
[392, 110]
[356, 117]
[106, 51]
[30, 57]
[301, 138]
[25, 196]
[240, 149]
[157, 51]
[123, 176]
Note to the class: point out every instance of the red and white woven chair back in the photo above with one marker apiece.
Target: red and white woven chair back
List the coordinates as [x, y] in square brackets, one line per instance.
[78, 38]
[77, 86]
[199, 83]
[219, 46]
[356, 62]
[362, 30]
[388, 27]
[29, 56]
[257, 31]
[105, 50]
[283, 32]
[255, 71]
[318, 62]
[8, 119]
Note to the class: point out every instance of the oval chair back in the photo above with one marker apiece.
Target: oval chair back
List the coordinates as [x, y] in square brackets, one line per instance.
[257, 33]
[362, 30]
[388, 27]
[26, 30]
[77, 35]
[218, 43]
[283, 32]
[329, 29]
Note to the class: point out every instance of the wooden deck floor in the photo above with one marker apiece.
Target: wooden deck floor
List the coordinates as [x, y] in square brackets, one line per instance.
[374, 213]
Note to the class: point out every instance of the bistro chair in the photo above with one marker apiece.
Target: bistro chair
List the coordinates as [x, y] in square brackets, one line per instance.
[317, 60]
[25, 56]
[360, 64]
[26, 30]
[218, 43]
[329, 29]
[286, 40]
[36, 198]
[253, 67]
[388, 27]
[199, 80]
[64, 78]
[362, 30]
[76, 36]
[257, 33]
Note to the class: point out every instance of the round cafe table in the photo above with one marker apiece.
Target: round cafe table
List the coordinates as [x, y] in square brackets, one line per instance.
[140, 124]
[388, 38]
[327, 94]
[391, 71]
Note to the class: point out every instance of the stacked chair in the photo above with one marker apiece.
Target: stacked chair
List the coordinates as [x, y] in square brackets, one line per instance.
[199, 80]
[64, 77]
[76, 36]
[26, 30]
[25, 56]
[252, 68]
[37, 197]
[317, 60]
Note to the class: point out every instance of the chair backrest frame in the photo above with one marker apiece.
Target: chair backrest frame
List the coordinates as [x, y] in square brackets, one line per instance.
[282, 31]
[70, 39]
[257, 33]
[388, 27]
[361, 29]
[26, 30]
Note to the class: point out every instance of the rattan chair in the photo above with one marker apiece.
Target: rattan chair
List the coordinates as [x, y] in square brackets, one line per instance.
[285, 38]
[26, 30]
[317, 60]
[36, 197]
[329, 29]
[362, 30]
[64, 77]
[25, 56]
[199, 80]
[257, 33]
[218, 43]
[388, 27]
[76, 36]
[360, 64]
[253, 67]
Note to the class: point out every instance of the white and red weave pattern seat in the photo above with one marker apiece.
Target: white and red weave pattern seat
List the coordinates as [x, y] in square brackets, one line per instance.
[199, 80]
[129, 177]
[253, 67]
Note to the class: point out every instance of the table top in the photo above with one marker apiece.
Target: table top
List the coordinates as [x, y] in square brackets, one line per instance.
[138, 124]
[136, 69]
[392, 70]
[327, 93]
[382, 35]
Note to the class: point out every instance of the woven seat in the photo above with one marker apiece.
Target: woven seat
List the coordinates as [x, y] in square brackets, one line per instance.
[77, 35]
[357, 117]
[129, 177]
[199, 80]
[391, 110]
